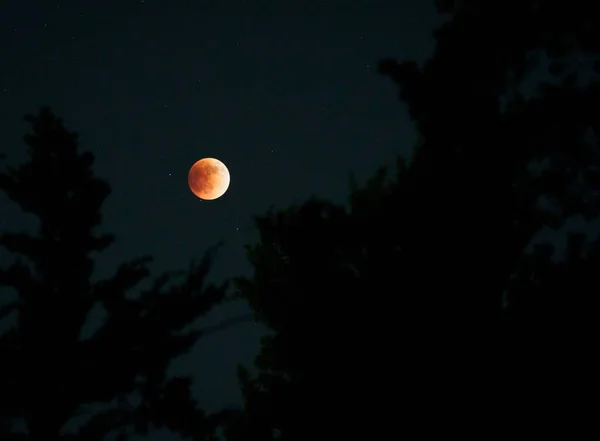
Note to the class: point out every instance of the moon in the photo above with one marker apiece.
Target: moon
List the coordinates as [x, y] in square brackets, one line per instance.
[208, 179]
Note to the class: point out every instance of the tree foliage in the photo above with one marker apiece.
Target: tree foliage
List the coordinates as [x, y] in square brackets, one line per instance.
[50, 372]
[419, 307]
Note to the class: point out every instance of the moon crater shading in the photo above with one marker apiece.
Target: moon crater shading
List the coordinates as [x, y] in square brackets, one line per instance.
[208, 179]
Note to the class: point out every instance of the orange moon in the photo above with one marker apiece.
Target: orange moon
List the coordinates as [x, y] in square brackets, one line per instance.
[208, 179]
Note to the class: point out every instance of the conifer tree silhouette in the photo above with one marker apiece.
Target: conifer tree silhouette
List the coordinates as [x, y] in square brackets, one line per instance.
[49, 373]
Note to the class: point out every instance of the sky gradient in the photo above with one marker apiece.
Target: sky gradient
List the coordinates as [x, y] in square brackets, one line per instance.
[286, 94]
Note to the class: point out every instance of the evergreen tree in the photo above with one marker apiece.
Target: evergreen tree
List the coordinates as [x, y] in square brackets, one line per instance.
[50, 373]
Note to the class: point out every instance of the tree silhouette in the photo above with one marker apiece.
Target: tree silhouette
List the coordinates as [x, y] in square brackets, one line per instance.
[419, 307]
[115, 379]
[492, 140]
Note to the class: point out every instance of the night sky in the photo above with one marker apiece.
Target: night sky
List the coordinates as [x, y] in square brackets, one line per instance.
[285, 93]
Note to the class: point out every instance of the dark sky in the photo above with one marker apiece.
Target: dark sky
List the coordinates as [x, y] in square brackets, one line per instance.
[285, 93]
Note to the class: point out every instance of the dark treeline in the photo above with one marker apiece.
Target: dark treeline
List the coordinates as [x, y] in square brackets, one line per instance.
[415, 310]
[49, 375]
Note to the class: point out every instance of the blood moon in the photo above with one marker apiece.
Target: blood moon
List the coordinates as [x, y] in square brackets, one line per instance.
[208, 179]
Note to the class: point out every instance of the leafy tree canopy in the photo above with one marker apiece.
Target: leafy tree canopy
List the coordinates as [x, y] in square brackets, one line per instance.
[418, 308]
